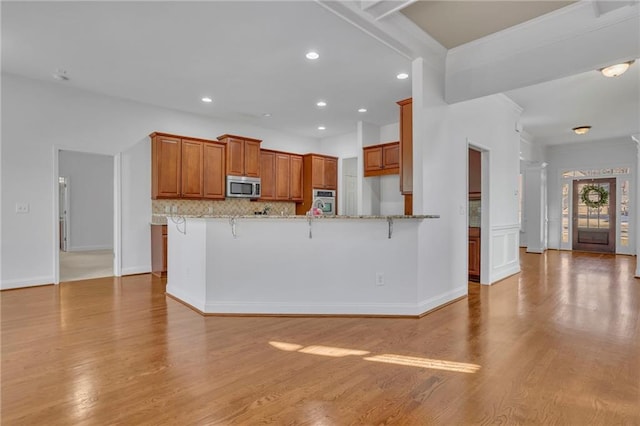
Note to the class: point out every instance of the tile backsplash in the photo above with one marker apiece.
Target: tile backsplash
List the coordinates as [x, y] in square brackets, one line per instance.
[230, 206]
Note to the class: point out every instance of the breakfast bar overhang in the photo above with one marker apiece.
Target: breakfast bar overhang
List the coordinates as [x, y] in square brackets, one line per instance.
[301, 265]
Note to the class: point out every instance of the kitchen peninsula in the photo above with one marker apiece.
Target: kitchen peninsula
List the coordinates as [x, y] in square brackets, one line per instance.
[362, 265]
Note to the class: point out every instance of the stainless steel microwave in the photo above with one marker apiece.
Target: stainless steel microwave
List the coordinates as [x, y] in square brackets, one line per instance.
[243, 187]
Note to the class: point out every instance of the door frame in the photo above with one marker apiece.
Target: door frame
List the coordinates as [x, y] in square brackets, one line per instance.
[485, 224]
[613, 213]
[117, 210]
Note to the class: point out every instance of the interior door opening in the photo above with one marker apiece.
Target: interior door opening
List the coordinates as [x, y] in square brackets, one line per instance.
[86, 209]
[474, 209]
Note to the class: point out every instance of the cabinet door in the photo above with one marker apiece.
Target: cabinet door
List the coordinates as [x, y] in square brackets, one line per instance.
[372, 159]
[252, 158]
[192, 169]
[331, 173]
[268, 179]
[283, 172]
[166, 167]
[235, 157]
[159, 250]
[391, 156]
[295, 178]
[214, 174]
[317, 172]
[406, 146]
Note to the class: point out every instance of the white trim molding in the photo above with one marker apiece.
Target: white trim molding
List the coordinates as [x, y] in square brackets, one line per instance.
[505, 254]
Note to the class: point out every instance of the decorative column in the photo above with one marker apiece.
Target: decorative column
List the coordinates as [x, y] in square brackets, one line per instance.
[535, 205]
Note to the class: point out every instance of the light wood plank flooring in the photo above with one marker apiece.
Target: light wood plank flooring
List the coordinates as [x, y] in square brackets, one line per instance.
[557, 344]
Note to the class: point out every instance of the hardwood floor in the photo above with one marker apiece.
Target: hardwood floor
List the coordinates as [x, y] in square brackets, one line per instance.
[557, 344]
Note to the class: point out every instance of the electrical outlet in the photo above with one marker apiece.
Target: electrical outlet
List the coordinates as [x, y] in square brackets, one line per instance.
[174, 209]
[22, 207]
[379, 278]
[210, 210]
[167, 209]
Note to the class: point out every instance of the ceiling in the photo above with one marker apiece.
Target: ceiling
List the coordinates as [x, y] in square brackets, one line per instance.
[453, 23]
[249, 57]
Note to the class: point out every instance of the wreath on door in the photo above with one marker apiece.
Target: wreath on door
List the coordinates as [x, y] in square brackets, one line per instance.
[601, 196]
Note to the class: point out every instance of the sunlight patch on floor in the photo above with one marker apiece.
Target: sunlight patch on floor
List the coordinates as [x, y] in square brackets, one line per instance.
[411, 361]
[437, 364]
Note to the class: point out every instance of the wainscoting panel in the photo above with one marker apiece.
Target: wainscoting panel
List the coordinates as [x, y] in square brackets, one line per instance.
[505, 259]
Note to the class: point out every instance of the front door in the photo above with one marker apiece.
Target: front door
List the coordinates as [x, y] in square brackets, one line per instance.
[594, 215]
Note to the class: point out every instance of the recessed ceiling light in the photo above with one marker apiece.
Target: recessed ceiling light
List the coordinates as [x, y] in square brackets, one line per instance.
[321, 103]
[312, 55]
[616, 70]
[266, 114]
[321, 128]
[362, 110]
[402, 76]
[581, 130]
[207, 99]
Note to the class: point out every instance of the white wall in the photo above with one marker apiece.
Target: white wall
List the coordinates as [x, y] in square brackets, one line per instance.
[619, 152]
[90, 192]
[441, 135]
[38, 116]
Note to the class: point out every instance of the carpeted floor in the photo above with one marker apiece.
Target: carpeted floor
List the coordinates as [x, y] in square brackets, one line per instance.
[82, 265]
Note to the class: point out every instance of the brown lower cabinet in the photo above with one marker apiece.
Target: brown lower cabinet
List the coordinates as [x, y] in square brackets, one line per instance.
[159, 250]
[474, 254]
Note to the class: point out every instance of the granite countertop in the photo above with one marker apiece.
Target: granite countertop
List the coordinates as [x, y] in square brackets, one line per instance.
[161, 219]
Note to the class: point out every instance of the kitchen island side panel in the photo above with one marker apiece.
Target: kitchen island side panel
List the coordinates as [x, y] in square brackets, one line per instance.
[349, 266]
[186, 269]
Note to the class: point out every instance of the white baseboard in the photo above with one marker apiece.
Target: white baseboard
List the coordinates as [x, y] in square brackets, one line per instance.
[90, 248]
[292, 308]
[30, 282]
[134, 270]
[502, 273]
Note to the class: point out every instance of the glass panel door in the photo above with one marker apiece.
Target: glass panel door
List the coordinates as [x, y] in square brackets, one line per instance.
[594, 215]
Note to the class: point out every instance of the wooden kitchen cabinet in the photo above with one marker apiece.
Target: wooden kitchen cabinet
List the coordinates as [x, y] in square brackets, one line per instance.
[474, 254]
[166, 166]
[159, 250]
[214, 170]
[406, 146]
[268, 175]
[319, 172]
[192, 165]
[281, 176]
[381, 159]
[296, 178]
[406, 153]
[185, 167]
[243, 155]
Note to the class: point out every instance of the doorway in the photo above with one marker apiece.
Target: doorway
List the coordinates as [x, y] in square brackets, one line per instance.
[86, 211]
[475, 209]
[594, 215]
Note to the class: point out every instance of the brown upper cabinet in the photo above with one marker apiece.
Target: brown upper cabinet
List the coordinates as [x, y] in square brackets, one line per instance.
[281, 176]
[382, 159]
[406, 146]
[321, 172]
[243, 155]
[185, 167]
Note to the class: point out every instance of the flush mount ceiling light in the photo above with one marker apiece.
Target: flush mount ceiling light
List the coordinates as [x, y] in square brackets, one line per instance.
[207, 99]
[362, 110]
[321, 128]
[312, 55]
[616, 70]
[581, 130]
[321, 104]
[402, 76]
[266, 114]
